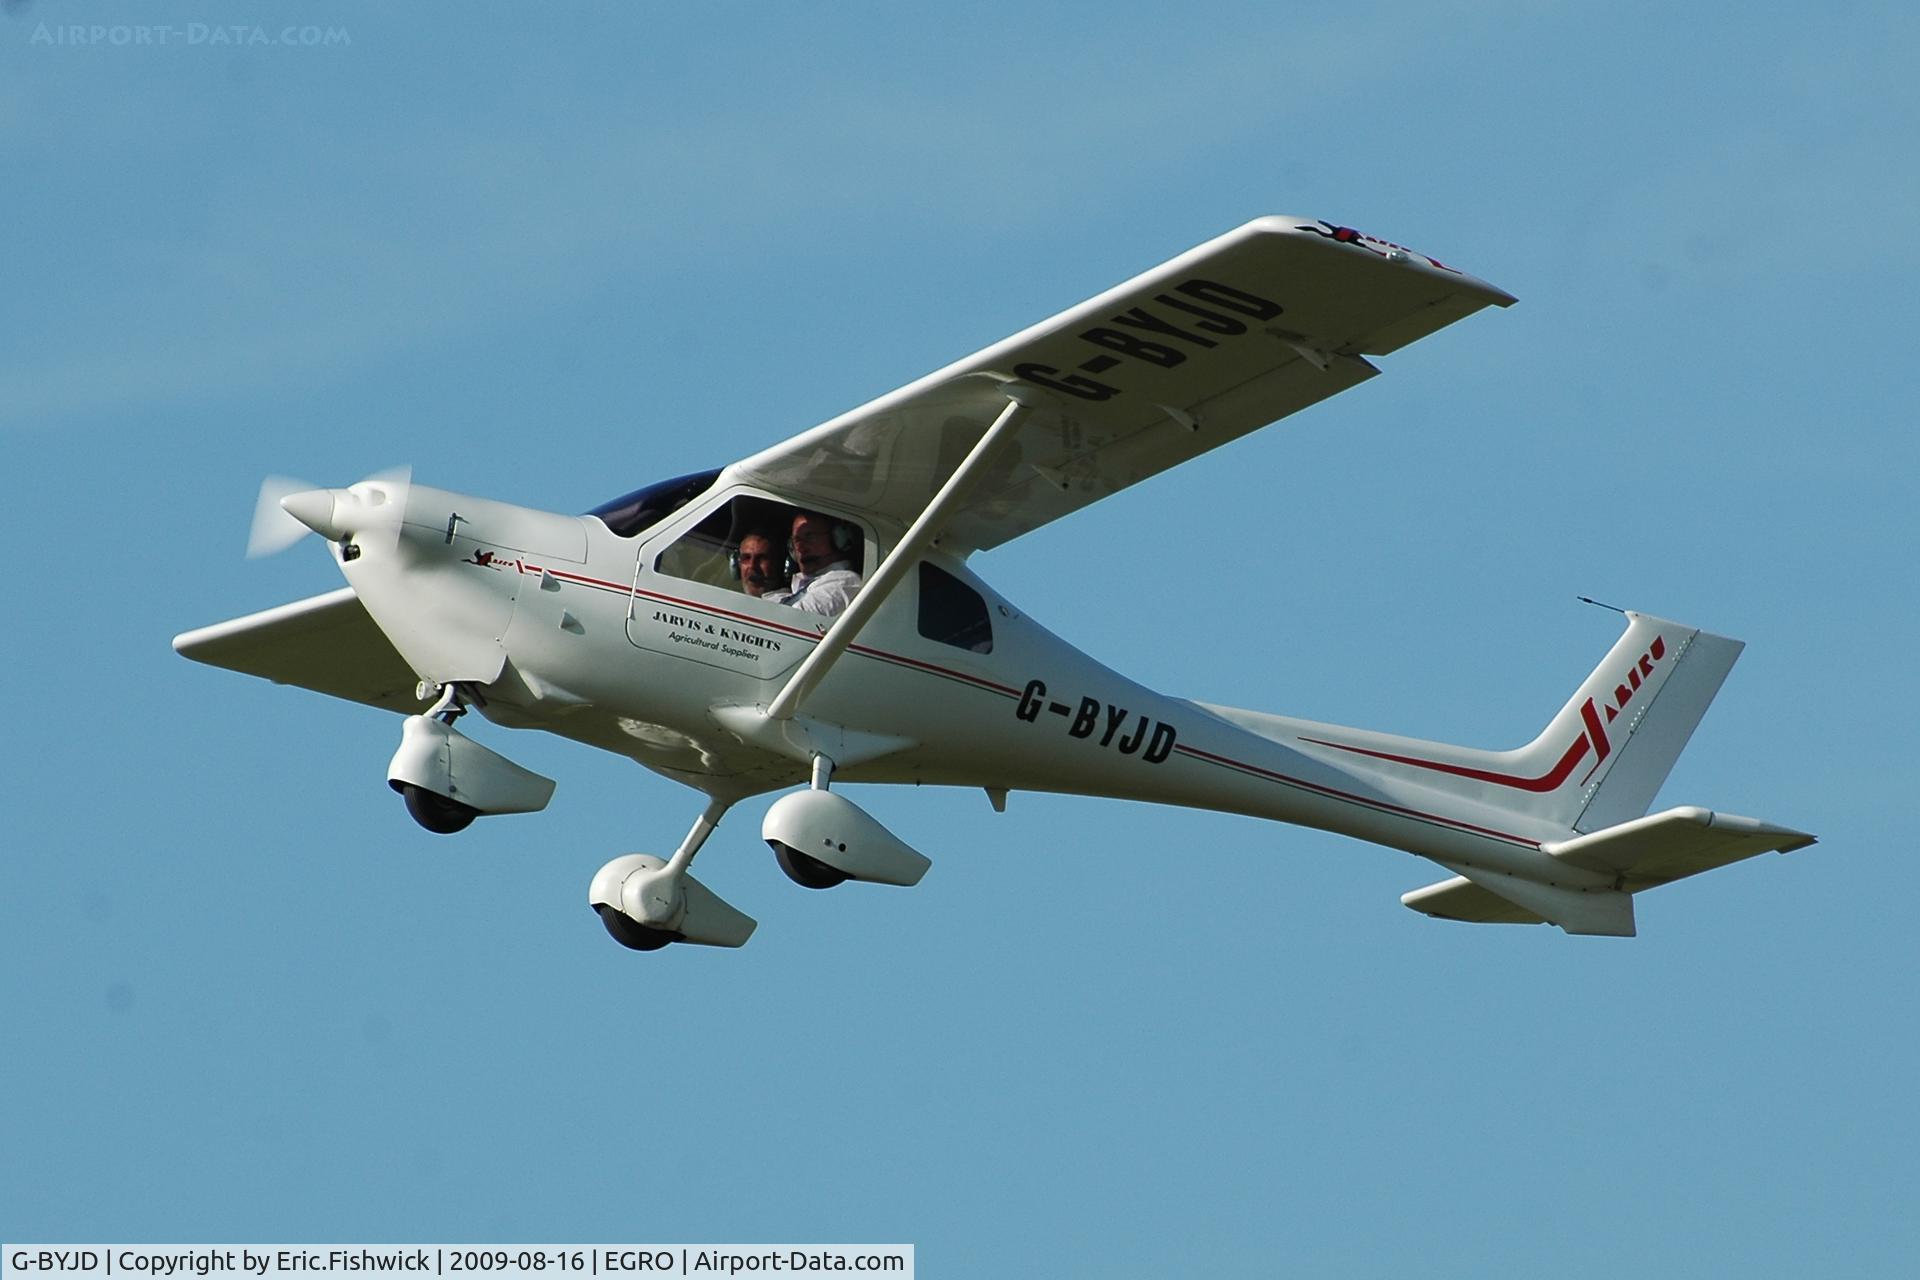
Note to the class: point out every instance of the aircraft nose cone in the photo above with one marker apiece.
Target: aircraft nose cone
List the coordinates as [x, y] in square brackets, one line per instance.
[314, 508]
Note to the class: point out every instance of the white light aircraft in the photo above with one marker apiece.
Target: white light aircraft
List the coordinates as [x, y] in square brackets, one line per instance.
[655, 626]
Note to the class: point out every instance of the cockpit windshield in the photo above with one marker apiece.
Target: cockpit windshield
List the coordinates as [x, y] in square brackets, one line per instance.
[642, 509]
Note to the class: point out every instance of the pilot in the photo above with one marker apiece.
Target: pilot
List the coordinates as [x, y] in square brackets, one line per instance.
[824, 549]
[760, 565]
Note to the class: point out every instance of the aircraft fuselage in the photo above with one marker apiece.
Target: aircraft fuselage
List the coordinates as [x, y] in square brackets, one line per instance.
[562, 625]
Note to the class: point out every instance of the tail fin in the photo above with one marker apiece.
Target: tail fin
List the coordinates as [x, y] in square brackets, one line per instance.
[1633, 716]
[1603, 757]
[1585, 782]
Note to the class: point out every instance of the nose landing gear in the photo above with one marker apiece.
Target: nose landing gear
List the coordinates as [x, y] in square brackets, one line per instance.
[645, 902]
[631, 934]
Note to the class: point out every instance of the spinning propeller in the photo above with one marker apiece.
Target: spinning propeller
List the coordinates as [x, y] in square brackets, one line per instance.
[370, 512]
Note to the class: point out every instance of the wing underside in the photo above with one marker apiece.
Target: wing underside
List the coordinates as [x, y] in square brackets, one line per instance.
[1242, 331]
[327, 643]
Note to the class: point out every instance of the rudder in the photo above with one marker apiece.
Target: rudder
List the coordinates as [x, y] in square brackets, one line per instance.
[1636, 712]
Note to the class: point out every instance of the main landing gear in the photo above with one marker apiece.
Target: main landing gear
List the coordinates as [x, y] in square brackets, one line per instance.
[442, 815]
[804, 869]
[448, 779]
[820, 838]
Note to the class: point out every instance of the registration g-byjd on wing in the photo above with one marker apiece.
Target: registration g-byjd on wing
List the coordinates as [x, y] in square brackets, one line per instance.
[806, 618]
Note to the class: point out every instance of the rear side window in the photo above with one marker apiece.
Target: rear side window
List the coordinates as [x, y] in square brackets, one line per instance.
[953, 612]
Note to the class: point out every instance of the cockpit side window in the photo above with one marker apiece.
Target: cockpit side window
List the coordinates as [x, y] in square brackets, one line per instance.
[953, 612]
[711, 551]
[771, 551]
[642, 509]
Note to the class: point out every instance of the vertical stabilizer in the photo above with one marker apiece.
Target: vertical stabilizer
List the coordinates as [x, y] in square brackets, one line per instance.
[1601, 759]
[1648, 733]
[1630, 719]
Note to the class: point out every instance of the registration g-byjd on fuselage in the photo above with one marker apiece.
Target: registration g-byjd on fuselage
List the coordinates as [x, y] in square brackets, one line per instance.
[806, 618]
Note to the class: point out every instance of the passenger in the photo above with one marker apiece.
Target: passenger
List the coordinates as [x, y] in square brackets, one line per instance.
[760, 565]
[824, 549]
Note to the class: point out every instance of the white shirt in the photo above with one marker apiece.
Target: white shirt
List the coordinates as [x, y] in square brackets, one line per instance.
[827, 592]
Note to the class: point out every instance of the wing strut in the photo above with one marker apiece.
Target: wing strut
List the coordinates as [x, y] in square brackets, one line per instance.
[912, 544]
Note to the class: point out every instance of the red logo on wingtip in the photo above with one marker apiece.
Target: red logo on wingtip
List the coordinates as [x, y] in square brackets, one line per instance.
[1373, 244]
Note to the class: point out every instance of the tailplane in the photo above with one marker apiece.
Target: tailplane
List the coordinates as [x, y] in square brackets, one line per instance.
[1641, 854]
[1595, 770]
[1585, 783]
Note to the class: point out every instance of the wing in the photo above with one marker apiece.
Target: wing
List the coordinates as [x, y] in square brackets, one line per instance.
[1221, 341]
[326, 643]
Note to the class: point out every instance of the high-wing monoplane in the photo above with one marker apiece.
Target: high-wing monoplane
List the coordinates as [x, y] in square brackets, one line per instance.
[806, 617]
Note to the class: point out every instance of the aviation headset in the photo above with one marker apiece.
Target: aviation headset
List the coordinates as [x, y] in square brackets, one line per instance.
[843, 534]
[844, 537]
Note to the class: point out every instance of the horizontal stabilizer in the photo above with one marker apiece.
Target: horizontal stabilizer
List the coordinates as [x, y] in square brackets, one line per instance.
[1668, 846]
[1462, 899]
[1641, 854]
[1494, 897]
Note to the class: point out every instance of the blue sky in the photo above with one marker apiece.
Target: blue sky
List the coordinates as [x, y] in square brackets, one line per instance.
[550, 256]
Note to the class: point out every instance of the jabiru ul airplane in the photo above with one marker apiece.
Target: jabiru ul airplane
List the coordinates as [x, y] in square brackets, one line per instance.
[806, 618]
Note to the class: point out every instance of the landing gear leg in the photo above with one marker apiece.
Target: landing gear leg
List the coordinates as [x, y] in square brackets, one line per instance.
[658, 898]
[451, 705]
